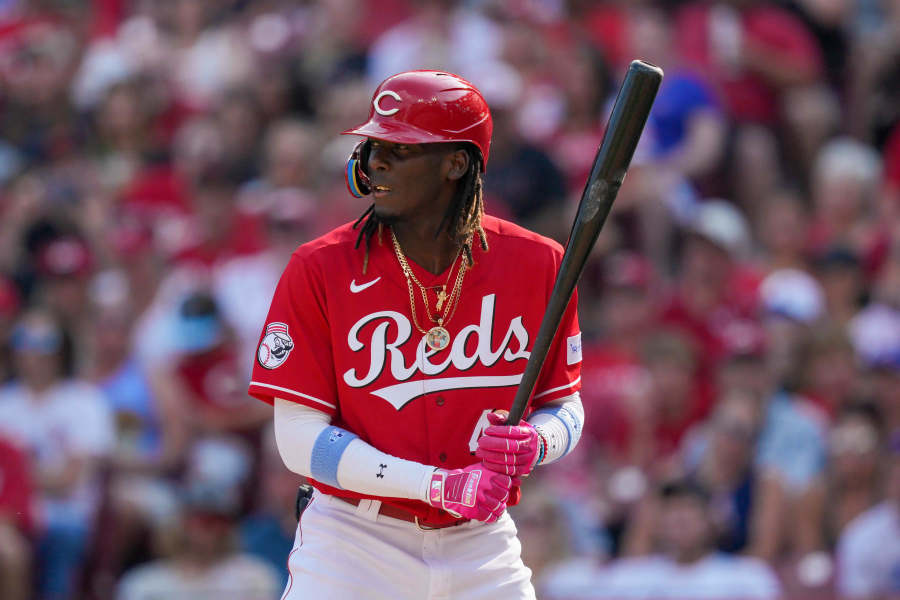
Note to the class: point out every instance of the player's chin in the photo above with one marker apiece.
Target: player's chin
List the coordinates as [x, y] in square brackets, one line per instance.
[386, 213]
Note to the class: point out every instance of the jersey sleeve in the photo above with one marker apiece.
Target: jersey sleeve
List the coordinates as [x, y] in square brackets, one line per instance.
[294, 357]
[561, 373]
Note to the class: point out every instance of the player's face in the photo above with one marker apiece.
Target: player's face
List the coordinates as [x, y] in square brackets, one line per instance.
[409, 181]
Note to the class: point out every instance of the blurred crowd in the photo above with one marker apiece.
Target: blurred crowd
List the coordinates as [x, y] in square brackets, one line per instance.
[161, 159]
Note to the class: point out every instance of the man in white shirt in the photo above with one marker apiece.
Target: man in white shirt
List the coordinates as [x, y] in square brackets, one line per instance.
[868, 552]
[685, 567]
[65, 428]
[205, 563]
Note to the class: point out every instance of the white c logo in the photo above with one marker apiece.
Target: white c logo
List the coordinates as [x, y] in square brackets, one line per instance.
[377, 101]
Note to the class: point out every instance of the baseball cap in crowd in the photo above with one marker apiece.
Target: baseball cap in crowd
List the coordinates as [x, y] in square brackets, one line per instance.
[875, 333]
[103, 66]
[793, 294]
[846, 158]
[837, 257]
[198, 324]
[211, 498]
[722, 224]
[36, 334]
[217, 468]
[65, 256]
[223, 460]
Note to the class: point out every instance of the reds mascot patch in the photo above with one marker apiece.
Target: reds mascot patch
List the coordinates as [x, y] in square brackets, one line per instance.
[275, 346]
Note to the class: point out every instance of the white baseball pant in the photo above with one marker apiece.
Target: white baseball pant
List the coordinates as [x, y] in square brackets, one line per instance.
[346, 552]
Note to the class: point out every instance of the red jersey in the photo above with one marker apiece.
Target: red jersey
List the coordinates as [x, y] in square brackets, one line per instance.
[345, 343]
[216, 378]
[15, 487]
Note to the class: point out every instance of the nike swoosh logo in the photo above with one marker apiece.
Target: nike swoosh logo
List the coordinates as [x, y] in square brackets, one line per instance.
[358, 288]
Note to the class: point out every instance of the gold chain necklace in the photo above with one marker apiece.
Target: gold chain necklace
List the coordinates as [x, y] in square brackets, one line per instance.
[437, 338]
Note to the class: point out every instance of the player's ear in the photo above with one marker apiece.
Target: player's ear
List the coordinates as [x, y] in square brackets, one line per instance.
[457, 163]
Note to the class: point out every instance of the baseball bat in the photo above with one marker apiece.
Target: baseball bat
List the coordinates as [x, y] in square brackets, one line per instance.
[629, 114]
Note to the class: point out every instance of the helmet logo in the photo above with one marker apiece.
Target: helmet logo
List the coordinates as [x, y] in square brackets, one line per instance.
[377, 102]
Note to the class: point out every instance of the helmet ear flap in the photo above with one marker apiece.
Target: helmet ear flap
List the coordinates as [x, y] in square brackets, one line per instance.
[357, 179]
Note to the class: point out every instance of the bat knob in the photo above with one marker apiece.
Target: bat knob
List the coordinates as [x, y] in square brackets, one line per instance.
[645, 67]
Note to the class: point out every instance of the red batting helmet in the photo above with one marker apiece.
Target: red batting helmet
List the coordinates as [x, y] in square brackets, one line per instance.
[425, 107]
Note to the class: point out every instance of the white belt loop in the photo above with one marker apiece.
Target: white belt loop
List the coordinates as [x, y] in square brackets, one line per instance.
[368, 509]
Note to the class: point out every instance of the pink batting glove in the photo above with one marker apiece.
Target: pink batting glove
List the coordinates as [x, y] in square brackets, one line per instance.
[473, 492]
[509, 449]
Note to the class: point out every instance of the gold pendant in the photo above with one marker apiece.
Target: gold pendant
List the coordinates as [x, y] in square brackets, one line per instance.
[437, 338]
[441, 296]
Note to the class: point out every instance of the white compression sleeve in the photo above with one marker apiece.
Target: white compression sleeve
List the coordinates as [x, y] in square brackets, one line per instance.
[310, 446]
[560, 423]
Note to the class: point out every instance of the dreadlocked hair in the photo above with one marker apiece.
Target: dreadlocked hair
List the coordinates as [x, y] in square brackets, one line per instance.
[462, 220]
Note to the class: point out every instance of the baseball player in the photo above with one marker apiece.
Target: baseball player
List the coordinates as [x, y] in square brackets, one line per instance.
[392, 347]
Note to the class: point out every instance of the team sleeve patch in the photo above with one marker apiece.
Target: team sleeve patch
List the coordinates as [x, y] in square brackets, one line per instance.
[275, 346]
[573, 349]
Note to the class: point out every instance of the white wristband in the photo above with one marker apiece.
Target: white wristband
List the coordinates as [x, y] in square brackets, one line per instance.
[560, 424]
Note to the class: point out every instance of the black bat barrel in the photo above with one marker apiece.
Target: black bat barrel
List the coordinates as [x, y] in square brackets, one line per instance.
[629, 115]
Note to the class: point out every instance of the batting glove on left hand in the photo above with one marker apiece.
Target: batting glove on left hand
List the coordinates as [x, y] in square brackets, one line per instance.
[509, 449]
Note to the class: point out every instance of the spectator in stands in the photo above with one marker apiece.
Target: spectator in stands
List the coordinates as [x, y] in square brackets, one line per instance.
[243, 285]
[792, 442]
[151, 437]
[523, 181]
[65, 426]
[827, 369]
[204, 561]
[64, 266]
[268, 531]
[220, 230]
[687, 119]
[780, 224]
[868, 553]
[845, 179]
[439, 35]
[581, 85]
[715, 286]
[850, 484]
[210, 372]
[754, 51]
[620, 297]
[747, 500]
[842, 277]
[685, 564]
[657, 416]
[122, 123]
[548, 537]
[240, 116]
